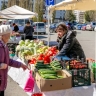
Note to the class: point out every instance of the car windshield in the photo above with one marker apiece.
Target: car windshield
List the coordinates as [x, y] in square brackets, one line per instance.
[40, 24]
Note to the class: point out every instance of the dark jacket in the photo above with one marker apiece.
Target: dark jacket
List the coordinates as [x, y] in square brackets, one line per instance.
[16, 28]
[28, 30]
[68, 45]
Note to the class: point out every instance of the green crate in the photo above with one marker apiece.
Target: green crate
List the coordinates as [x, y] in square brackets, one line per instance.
[81, 77]
[93, 69]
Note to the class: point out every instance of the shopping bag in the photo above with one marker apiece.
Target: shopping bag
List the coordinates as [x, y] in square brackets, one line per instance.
[29, 84]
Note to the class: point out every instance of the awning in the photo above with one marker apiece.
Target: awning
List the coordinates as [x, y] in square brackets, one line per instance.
[83, 5]
[16, 12]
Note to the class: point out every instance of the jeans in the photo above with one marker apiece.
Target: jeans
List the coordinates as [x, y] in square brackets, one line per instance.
[1, 93]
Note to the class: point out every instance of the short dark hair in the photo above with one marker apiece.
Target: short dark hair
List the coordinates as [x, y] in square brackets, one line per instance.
[62, 27]
[28, 22]
[13, 24]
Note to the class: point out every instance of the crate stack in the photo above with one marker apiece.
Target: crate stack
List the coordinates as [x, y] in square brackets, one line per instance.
[80, 72]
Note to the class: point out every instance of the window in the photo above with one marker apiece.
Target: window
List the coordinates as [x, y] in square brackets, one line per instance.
[40, 24]
[21, 22]
[26, 20]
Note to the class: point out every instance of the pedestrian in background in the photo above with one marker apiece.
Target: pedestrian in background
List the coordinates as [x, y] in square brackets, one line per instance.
[16, 28]
[5, 61]
[28, 30]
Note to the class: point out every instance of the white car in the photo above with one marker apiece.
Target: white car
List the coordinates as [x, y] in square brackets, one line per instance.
[39, 27]
[95, 28]
[91, 26]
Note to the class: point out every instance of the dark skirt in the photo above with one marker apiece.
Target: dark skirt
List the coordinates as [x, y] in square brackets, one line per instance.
[1, 93]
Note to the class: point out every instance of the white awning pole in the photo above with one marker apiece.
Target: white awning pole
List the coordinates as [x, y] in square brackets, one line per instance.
[37, 27]
[48, 27]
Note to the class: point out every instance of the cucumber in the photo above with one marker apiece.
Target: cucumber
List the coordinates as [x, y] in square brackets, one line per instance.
[56, 66]
[48, 72]
[60, 76]
[50, 77]
[45, 70]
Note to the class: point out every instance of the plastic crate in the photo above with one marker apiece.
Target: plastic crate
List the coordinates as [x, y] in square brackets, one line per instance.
[81, 77]
[70, 65]
[78, 65]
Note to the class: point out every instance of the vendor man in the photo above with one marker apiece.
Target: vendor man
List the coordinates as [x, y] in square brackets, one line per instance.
[68, 45]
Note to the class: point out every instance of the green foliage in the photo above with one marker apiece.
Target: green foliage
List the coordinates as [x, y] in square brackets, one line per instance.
[34, 19]
[69, 15]
[39, 9]
[90, 16]
[53, 16]
[3, 6]
[87, 16]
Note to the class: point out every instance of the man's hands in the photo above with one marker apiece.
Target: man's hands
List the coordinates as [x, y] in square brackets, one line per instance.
[24, 67]
[3, 66]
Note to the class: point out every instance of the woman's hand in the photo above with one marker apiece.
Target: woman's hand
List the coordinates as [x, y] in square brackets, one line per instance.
[3, 66]
[24, 67]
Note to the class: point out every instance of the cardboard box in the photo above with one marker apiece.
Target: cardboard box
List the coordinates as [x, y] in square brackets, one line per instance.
[54, 84]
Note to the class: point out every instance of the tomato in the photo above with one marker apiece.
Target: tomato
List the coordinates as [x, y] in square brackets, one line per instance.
[53, 48]
[40, 58]
[45, 62]
[41, 55]
[47, 59]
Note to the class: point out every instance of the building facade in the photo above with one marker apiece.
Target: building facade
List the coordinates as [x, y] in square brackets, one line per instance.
[3, 2]
[59, 15]
[79, 16]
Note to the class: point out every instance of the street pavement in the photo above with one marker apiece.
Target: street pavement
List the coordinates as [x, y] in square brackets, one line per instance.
[86, 39]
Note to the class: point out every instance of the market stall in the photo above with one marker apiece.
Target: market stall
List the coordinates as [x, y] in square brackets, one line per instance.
[13, 13]
[59, 77]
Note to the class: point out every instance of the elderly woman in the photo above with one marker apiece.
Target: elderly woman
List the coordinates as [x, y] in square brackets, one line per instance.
[5, 61]
[68, 45]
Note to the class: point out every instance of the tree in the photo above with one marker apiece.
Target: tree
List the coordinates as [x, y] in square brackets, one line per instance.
[90, 16]
[87, 17]
[9, 3]
[39, 4]
[27, 4]
[53, 16]
[4, 6]
[69, 15]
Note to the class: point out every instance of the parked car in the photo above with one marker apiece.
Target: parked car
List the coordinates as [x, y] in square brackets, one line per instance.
[83, 28]
[39, 27]
[95, 28]
[53, 28]
[91, 26]
[78, 26]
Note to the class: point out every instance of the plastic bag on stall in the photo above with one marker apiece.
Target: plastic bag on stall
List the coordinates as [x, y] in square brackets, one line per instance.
[29, 84]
